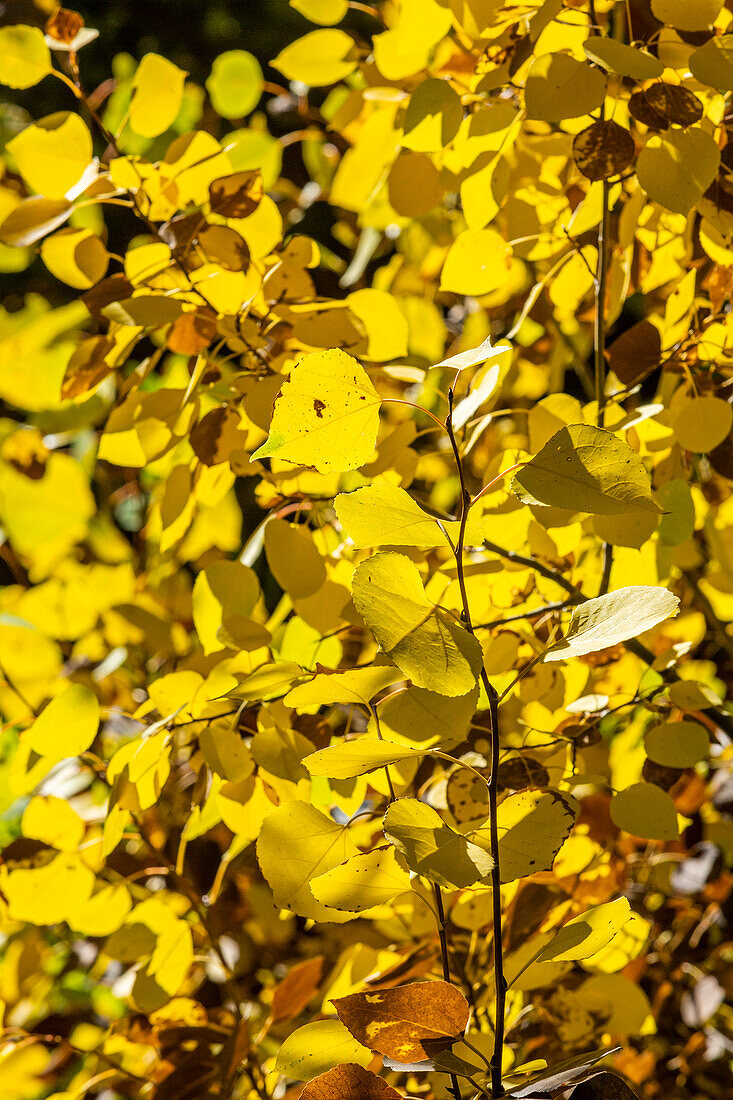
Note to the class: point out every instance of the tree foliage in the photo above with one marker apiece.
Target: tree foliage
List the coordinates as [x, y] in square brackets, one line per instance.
[365, 644]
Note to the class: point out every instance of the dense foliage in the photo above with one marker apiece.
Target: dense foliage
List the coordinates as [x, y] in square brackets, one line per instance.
[365, 491]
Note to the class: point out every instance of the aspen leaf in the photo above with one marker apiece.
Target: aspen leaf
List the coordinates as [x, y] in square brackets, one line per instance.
[677, 744]
[53, 821]
[103, 913]
[607, 620]
[350, 758]
[319, 58]
[712, 63]
[603, 149]
[425, 642]
[415, 185]
[358, 685]
[702, 423]
[225, 593]
[603, 1086]
[533, 826]
[297, 843]
[382, 514]
[326, 414]
[432, 118]
[409, 1023]
[48, 894]
[426, 719]
[158, 94]
[53, 153]
[325, 12]
[235, 83]
[586, 469]
[24, 56]
[362, 882]
[67, 726]
[32, 219]
[349, 1082]
[318, 1047]
[645, 810]
[675, 169]
[559, 86]
[293, 558]
[431, 848]
[485, 352]
[75, 256]
[687, 15]
[405, 48]
[590, 932]
[624, 60]
[297, 988]
[477, 262]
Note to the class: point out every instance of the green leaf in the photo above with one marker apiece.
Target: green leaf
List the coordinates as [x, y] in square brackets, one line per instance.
[607, 620]
[326, 415]
[351, 758]
[235, 83]
[586, 469]
[644, 809]
[425, 642]
[24, 56]
[432, 848]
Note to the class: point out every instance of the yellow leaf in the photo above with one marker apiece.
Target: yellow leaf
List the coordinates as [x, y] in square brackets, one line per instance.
[405, 48]
[677, 744]
[297, 843]
[157, 95]
[432, 118]
[24, 56]
[713, 63]
[431, 848]
[621, 59]
[235, 84]
[559, 87]
[702, 423]
[362, 882]
[67, 726]
[317, 1047]
[75, 256]
[53, 821]
[533, 825]
[384, 322]
[53, 153]
[47, 894]
[293, 558]
[382, 514]
[357, 685]
[676, 168]
[325, 12]
[429, 645]
[645, 810]
[326, 415]
[687, 15]
[607, 620]
[319, 58]
[586, 469]
[425, 719]
[224, 593]
[348, 759]
[103, 913]
[477, 262]
[590, 932]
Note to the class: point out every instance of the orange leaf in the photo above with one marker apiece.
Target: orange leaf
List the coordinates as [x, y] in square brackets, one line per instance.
[349, 1082]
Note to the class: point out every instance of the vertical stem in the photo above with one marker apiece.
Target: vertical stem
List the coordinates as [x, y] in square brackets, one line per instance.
[498, 947]
[455, 1087]
[599, 328]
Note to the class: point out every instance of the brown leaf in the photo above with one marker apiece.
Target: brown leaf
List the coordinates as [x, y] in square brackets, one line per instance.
[192, 332]
[603, 149]
[113, 289]
[217, 435]
[236, 196]
[603, 1086]
[225, 247]
[87, 366]
[64, 25]
[294, 992]
[410, 1023]
[349, 1082]
[26, 452]
[662, 104]
[637, 351]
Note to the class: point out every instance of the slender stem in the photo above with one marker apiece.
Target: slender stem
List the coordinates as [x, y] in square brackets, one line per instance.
[498, 950]
[534, 613]
[455, 1087]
